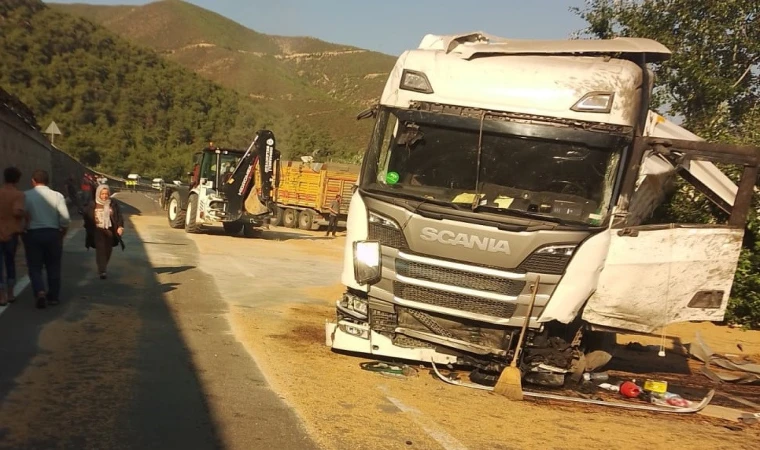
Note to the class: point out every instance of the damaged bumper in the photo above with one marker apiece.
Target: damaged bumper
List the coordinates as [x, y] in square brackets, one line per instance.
[351, 332]
[357, 337]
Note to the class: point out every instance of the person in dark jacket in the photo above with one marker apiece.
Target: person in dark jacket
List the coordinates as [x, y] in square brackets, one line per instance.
[104, 225]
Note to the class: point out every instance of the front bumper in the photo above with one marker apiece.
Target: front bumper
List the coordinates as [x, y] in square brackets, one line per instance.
[341, 335]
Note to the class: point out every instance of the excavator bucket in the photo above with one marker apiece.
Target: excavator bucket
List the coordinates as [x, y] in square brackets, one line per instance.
[253, 205]
[243, 196]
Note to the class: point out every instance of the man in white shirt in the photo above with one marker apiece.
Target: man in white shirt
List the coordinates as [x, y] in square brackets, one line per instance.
[47, 223]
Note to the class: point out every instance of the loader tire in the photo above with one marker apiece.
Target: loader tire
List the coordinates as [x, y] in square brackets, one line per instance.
[191, 224]
[232, 228]
[250, 231]
[174, 212]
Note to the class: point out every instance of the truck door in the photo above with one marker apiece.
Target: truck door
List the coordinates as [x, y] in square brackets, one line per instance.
[658, 274]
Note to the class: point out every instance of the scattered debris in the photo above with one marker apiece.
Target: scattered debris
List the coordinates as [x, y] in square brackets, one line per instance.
[748, 372]
[750, 418]
[664, 408]
[601, 376]
[395, 370]
[743, 401]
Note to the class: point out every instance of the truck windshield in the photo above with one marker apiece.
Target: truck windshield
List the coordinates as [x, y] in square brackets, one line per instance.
[448, 159]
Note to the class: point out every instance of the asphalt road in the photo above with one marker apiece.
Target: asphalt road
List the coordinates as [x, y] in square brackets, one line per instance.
[144, 359]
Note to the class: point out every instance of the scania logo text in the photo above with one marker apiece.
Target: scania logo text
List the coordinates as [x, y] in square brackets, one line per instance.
[465, 240]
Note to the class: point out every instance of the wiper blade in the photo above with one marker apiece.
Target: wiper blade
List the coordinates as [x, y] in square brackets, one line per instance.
[536, 216]
[417, 198]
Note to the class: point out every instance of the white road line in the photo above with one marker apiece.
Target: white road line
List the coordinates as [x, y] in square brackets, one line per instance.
[447, 441]
[23, 282]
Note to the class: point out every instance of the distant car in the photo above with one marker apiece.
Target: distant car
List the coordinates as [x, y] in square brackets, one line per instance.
[177, 182]
[157, 183]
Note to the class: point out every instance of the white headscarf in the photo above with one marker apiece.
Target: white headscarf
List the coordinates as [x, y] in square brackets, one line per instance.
[106, 222]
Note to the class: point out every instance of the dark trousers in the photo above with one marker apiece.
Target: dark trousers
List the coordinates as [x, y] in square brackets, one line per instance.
[44, 249]
[332, 225]
[8, 262]
[103, 248]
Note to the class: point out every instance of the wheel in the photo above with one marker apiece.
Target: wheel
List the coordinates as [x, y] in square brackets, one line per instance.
[600, 347]
[175, 213]
[289, 218]
[250, 231]
[305, 219]
[276, 220]
[485, 378]
[191, 220]
[232, 228]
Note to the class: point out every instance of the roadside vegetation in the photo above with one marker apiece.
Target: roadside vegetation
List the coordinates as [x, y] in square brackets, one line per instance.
[712, 82]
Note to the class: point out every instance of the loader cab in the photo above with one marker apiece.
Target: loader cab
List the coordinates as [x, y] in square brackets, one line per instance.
[212, 166]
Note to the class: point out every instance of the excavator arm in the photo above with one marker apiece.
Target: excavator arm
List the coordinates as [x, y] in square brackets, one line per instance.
[240, 190]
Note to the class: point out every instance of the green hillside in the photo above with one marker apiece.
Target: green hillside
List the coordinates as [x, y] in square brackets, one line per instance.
[123, 108]
[322, 85]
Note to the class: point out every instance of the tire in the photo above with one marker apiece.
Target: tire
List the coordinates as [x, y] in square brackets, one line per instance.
[600, 348]
[276, 220]
[175, 213]
[484, 378]
[305, 219]
[250, 231]
[290, 218]
[232, 228]
[191, 225]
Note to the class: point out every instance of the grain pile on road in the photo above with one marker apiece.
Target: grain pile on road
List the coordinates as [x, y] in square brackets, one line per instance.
[344, 406]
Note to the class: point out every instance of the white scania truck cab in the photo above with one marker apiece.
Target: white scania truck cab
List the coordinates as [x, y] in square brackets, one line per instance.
[496, 165]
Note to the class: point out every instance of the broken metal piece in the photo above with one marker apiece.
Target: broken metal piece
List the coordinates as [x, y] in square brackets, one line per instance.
[748, 372]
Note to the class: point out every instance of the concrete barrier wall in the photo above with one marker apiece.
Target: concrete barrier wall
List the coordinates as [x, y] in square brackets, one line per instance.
[23, 147]
[27, 148]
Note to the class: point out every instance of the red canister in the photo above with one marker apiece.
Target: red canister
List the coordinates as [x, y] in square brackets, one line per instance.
[630, 390]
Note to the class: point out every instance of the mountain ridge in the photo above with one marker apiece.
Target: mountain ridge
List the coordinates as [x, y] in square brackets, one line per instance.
[320, 84]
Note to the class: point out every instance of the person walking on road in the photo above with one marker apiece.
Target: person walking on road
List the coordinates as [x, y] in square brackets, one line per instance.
[47, 223]
[104, 224]
[334, 210]
[11, 225]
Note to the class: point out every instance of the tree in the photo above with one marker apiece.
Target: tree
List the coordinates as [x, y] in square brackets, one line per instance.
[712, 81]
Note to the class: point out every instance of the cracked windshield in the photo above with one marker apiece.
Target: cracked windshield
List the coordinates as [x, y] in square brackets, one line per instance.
[550, 180]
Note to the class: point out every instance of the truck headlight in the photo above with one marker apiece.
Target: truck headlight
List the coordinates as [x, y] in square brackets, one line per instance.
[557, 250]
[367, 262]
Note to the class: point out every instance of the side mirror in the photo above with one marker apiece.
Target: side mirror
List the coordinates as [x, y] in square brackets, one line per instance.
[369, 112]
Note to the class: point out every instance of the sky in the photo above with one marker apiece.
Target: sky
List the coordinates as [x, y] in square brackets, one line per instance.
[391, 26]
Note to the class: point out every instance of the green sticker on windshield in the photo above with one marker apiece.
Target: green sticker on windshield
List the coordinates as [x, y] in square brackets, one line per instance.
[392, 178]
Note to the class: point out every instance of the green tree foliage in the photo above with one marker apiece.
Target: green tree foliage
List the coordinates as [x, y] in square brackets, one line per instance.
[122, 108]
[712, 81]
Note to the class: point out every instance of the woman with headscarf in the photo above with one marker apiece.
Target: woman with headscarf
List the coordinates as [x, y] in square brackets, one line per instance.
[104, 225]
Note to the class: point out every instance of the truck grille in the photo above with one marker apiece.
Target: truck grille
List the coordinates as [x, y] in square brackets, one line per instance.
[387, 236]
[453, 277]
[545, 263]
[382, 321]
[468, 303]
[406, 341]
